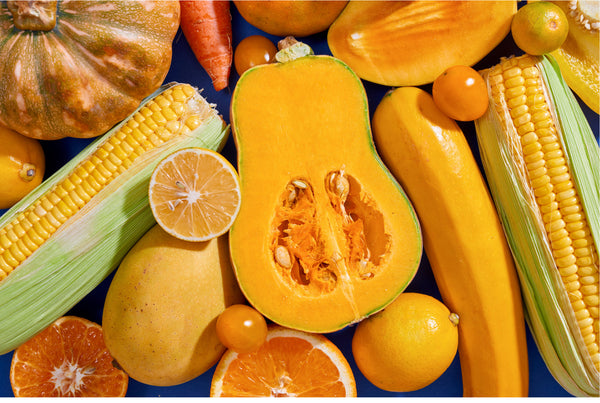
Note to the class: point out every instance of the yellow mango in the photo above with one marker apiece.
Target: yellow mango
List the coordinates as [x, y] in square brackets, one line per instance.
[161, 308]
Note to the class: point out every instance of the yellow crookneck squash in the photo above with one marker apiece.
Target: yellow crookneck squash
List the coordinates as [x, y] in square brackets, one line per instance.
[463, 239]
[403, 43]
[76, 68]
[325, 236]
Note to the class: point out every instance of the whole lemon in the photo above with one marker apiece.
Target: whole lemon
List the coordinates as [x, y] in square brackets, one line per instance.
[408, 345]
[22, 165]
[539, 27]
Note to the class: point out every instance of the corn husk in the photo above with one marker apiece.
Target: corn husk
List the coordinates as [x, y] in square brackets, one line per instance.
[548, 310]
[90, 245]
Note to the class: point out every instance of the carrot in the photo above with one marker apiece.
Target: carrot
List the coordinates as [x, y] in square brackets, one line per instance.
[206, 25]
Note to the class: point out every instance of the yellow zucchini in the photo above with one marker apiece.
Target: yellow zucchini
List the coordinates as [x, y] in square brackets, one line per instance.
[463, 239]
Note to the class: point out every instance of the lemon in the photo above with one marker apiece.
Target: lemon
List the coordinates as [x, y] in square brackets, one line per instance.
[22, 165]
[408, 345]
[539, 27]
[194, 194]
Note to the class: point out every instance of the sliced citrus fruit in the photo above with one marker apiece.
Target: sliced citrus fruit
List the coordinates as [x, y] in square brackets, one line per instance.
[290, 363]
[194, 194]
[67, 359]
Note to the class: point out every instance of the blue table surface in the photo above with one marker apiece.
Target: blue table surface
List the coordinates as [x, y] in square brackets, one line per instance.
[185, 68]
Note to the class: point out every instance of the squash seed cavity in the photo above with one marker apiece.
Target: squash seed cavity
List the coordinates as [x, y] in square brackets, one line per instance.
[308, 263]
[361, 222]
[297, 246]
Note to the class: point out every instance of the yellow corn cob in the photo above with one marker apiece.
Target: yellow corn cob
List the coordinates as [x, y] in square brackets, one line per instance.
[154, 124]
[98, 199]
[516, 84]
[530, 130]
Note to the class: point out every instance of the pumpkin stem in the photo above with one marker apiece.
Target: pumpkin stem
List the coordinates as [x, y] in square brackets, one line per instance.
[33, 15]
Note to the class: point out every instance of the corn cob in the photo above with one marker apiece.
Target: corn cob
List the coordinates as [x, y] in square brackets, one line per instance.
[64, 238]
[542, 164]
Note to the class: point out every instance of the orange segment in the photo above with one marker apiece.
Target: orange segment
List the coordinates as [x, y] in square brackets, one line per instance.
[290, 363]
[67, 359]
[195, 194]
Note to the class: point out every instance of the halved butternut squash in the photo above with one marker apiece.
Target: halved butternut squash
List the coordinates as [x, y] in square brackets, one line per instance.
[405, 43]
[325, 235]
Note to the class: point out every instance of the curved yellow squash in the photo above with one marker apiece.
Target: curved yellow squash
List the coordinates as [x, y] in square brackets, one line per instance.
[463, 239]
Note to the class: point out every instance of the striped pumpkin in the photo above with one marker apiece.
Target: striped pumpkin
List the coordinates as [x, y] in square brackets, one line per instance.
[76, 68]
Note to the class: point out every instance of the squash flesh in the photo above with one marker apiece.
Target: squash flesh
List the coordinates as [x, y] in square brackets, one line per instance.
[306, 123]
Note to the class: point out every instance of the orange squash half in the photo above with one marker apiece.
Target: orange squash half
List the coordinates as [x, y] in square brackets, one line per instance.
[406, 43]
[325, 235]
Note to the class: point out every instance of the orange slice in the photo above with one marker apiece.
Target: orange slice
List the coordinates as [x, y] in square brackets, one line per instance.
[195, 194]
[67, 359]
[290, 363]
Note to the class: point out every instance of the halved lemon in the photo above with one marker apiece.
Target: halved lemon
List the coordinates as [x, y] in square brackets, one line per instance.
[290, 363]
[194, 194]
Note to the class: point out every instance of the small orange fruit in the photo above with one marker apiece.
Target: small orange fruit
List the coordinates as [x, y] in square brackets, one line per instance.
[67, 359]
[194, 194]
[290, 363]
[22, 166]
[408, 345]
[460, 93]
[241, 328]
[252, 51]
[539, 27]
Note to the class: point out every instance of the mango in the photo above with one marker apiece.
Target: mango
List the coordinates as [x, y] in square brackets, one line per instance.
[161, 308]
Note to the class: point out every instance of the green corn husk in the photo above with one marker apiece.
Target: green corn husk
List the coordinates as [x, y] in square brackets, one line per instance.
[548, 311]
[90, 245]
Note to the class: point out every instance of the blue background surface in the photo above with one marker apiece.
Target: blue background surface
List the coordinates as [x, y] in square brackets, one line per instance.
[185, 68]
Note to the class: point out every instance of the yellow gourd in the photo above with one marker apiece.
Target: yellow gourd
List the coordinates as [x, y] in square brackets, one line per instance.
[463, 239]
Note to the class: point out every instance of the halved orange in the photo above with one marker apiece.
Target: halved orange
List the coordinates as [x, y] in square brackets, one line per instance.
[290, 363]
[67, 359]
[194, 194]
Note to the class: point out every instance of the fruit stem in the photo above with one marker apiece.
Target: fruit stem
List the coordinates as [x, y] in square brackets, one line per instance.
[454, 318]
[27, 172]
